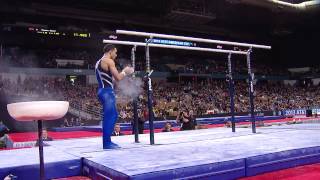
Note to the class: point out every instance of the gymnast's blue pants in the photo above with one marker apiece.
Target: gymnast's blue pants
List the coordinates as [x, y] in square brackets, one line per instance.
[110, 115]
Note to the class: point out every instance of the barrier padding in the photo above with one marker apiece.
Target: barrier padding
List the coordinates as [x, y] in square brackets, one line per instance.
[281, 160]
[160, 124]
[66, 129]
[232, 169]
[52, 170]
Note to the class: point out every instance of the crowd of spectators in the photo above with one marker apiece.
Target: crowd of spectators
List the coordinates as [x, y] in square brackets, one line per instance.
[209, 96]
[46, 58]
[209, 66]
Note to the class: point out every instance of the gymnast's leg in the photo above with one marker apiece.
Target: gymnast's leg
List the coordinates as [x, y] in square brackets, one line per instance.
[110, 116]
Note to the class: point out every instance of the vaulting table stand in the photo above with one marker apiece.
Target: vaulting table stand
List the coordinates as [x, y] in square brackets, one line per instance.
[38, 111]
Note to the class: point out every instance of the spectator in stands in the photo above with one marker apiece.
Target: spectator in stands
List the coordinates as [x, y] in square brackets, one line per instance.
[3, 134]
[167, 127]
[66, 122]
[142, 116]
[72, 122]
[10, 177]
[117, 130]
[78, 122]
[1, 86]
[45, 137]
[3, 129]
[185, 119]
[3, 142]
[193, 119]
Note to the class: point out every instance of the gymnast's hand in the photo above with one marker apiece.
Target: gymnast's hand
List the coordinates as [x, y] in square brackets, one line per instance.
[128, 70]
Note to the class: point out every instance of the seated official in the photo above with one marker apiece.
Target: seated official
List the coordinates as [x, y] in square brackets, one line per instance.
[117, 130]
[45, 137]
[167, 127]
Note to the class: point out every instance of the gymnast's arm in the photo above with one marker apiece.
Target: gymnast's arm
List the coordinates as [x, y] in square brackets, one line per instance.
[108, 64]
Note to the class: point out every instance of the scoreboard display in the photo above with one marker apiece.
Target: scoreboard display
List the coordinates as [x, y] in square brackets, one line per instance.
[53, 32]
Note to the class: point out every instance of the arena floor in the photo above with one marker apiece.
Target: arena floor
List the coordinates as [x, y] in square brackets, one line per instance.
[200, 154]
